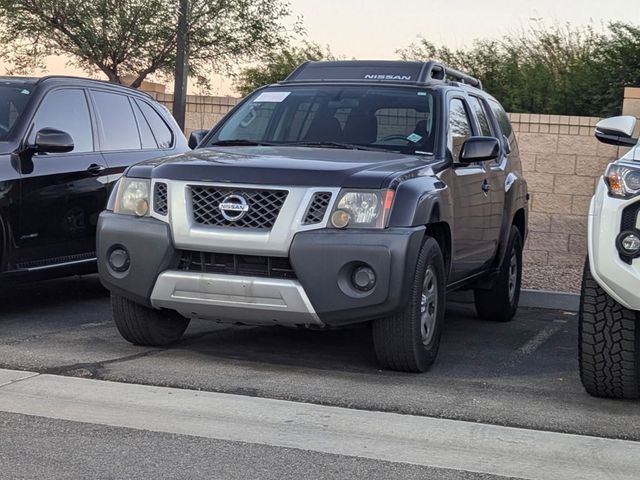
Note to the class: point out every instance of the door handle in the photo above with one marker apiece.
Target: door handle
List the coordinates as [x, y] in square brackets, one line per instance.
[95, 169]
[486, 187]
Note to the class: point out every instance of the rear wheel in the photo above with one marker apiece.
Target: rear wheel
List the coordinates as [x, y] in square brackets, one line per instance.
[609, 343]
[146, 326]
[409, 340]
[500, 303]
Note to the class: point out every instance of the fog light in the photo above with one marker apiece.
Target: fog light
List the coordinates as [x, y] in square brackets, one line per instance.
[119, 260]
[340, 219]
[628, 243]
[363, 278]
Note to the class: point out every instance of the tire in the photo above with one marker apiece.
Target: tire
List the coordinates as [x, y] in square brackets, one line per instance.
[500, 303]
[608, 343]
[401, 341]
[145, 326]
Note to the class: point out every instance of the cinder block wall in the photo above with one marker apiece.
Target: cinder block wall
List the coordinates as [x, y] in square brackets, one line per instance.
[562, 162]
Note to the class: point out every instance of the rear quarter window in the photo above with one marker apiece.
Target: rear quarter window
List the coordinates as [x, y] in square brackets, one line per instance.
[502, 118]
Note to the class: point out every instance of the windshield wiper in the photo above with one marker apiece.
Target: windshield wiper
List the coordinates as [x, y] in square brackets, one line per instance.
[239, 142]
[345, 146]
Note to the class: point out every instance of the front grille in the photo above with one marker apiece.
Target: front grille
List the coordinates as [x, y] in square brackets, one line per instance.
[630, 217]
[160, 205]
[317, 208]
[264, 206]
[231, 264]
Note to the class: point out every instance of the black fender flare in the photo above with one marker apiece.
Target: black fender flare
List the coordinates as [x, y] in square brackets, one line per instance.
[420, 201]
[515, 199]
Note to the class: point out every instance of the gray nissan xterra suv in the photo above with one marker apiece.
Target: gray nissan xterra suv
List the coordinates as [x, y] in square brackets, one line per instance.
[353, 191]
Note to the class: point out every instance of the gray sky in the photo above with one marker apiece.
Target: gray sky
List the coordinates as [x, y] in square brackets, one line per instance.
[376, 28]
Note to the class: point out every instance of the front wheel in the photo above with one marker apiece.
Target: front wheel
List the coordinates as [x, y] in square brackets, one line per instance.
[145, 326]
[409, 340]
[500, 303]
[609, 343]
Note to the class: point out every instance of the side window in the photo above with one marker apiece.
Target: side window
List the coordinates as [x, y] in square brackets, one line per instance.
[118, 125]
[146, 135]
[66, 110]
[160, 130]
[502, 117]
[481, 115]
[459, 127]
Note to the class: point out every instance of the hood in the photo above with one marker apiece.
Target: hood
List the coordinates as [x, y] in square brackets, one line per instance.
[287, 166]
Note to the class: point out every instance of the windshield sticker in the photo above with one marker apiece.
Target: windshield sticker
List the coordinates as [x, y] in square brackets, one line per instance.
[25, 92]
[414, 138]
[422, 94]
[273, 97]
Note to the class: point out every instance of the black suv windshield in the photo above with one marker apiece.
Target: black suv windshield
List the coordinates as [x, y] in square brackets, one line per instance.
[352, 116]
[13, 100]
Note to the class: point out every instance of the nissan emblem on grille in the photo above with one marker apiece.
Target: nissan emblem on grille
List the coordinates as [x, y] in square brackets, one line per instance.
[233, 207]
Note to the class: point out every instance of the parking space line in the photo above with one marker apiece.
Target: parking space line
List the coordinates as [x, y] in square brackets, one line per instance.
[459, 445]
[539, 338]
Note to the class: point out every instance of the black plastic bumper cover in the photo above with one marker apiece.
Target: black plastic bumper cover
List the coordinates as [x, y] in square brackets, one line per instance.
[151, 251]
[324, 260]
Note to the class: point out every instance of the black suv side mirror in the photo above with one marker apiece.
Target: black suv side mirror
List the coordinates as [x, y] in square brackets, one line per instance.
[50, 140]
[196, 137]
[479, 149]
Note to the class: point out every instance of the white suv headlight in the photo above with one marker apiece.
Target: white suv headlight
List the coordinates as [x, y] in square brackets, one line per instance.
[362, 209]
[132, 197]
[623, 180]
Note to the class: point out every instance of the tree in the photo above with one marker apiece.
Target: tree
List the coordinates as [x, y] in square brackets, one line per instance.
[278, 64]
[138, 37]
[559, 70]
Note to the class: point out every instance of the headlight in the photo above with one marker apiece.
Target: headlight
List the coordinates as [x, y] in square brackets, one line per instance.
[132, 197]
[623, 180]
[362, 209]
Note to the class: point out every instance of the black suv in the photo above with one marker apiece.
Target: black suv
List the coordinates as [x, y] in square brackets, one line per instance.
[351, 192]
[64, 142]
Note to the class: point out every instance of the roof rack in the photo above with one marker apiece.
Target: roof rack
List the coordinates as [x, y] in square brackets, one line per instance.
[438, 71]
[396, 71]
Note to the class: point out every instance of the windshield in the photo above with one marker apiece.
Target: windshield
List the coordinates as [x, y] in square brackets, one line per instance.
[390, 118]
[13, 100]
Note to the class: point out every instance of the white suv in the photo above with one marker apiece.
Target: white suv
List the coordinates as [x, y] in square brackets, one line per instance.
[610, 301]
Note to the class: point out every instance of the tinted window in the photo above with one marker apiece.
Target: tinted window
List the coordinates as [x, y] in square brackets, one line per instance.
[481, 115]
[459, 127]
[66, 110]
[502, 117]
[146, 136]
[13, 100]
[390, 118]
[162, 133]
[119, 128]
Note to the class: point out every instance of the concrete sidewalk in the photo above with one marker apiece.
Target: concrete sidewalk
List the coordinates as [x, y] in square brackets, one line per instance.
[450, 444]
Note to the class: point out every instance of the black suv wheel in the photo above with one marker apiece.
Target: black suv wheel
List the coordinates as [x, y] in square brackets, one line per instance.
[409, 340]
[145, 326]
[500, 303]
[609, 343]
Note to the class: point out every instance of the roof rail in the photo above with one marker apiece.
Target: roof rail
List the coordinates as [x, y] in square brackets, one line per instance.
[438, 71]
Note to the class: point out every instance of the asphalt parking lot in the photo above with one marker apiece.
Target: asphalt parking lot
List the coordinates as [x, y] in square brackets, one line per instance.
[521, 374]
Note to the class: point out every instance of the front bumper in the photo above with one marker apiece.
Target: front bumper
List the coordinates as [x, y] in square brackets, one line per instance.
[321, 294]
[619, 279]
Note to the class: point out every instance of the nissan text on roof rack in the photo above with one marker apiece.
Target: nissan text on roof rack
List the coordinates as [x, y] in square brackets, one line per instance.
[353, 191]
[610, 302]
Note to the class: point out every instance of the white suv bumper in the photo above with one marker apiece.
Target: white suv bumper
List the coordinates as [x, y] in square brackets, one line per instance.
[619, 279]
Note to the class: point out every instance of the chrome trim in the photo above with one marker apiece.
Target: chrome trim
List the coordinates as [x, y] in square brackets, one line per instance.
[234, 298]
[188, 235]
[58, 265]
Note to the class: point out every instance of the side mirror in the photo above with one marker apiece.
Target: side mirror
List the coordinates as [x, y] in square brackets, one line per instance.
[617, 131]
[196, 137]
[479, 149]
[50, 140]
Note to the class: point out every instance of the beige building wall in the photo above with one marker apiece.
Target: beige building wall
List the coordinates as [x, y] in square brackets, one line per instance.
[562, 162]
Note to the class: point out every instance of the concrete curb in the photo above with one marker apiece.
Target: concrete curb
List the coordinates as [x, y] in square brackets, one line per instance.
[569, 302]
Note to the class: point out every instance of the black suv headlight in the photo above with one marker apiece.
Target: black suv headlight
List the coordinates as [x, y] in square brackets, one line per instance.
[131, 197]
[362, 209]
[623, 180]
